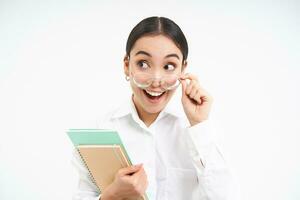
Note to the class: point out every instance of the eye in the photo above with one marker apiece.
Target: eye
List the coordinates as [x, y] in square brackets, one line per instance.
[169, 67]
[142, 64]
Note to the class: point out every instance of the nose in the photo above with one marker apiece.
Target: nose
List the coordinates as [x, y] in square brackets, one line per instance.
[156, 79]
[156, 82]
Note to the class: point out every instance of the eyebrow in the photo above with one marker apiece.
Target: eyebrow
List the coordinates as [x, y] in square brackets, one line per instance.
[144, 53]
[172, 55]
[167, 56]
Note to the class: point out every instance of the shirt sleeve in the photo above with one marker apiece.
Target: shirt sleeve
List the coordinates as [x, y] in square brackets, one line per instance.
[216, 180]
[86, 189]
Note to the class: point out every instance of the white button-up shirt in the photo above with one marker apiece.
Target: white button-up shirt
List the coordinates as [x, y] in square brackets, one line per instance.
[181, 162]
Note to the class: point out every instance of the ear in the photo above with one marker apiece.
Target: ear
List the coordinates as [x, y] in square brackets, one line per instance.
[126, 65]
[184, 65]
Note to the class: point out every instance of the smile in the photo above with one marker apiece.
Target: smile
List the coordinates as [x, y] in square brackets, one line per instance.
[154, 97]
[155, 94]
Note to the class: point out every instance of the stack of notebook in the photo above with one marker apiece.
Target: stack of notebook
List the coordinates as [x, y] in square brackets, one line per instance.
[103, 153]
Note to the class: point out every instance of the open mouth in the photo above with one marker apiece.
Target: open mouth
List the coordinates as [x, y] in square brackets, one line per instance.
[154, 95]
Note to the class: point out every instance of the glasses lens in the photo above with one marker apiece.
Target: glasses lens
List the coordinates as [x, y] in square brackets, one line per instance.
[144, 80]
[170, 82]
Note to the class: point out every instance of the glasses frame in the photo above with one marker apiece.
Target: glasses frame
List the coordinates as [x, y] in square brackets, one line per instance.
[153, 79]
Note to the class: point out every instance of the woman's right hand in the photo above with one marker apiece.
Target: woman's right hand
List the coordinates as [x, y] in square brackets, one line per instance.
[129, 183]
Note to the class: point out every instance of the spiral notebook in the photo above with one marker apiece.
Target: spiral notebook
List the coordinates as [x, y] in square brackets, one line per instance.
[103, 153]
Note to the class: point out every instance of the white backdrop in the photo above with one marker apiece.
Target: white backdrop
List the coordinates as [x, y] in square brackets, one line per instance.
[61, 67]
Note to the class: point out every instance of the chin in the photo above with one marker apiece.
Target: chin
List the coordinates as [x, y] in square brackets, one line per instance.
[154, 110]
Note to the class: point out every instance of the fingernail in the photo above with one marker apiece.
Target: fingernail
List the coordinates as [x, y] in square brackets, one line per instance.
[138, 165]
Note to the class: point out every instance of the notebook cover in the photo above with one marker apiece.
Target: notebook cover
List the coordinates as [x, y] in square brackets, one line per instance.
[103, 162]
[93, 136]
[102, 152]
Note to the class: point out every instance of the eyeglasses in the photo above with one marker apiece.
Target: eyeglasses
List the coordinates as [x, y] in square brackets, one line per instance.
[145, 80]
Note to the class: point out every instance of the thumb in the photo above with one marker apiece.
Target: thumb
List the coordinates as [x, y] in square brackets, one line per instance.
[129, 170]
[183, 86]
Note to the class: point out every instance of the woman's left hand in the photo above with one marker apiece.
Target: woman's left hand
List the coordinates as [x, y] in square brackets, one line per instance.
[195, 100]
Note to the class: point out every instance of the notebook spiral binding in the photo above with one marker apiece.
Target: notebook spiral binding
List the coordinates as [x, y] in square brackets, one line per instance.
[90, 173]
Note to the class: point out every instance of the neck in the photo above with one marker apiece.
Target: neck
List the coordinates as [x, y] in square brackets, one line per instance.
[146, 117]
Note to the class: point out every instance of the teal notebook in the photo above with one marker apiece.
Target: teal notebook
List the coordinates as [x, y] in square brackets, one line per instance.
[96, 137]
[98, 145]
[93, 136]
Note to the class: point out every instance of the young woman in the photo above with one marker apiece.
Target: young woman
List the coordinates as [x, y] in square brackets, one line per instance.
[175, 154]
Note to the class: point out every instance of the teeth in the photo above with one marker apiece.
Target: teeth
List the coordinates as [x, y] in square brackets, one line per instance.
[155, 94]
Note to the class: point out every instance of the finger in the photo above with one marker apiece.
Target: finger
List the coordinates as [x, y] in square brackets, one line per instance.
[190, 87]
[194, 91]
[141, 179]
[189, 76]
[141, 172]
[129, 170]
[203, 96]
[197, 97]
[143, 186]
[197, 93]
[138, 179]
[142, 182]
[183, 86]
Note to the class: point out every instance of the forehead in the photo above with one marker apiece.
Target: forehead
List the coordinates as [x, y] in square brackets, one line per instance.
[157, 46]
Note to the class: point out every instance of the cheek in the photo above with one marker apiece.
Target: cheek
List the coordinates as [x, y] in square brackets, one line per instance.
[135, 89]
[170, 93]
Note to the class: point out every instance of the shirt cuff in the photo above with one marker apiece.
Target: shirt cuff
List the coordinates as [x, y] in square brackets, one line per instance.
[200, 142]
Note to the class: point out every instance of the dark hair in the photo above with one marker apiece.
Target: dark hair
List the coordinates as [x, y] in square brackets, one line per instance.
[157, 26]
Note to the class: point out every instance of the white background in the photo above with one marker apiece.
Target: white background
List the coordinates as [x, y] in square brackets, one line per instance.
[61, 67]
